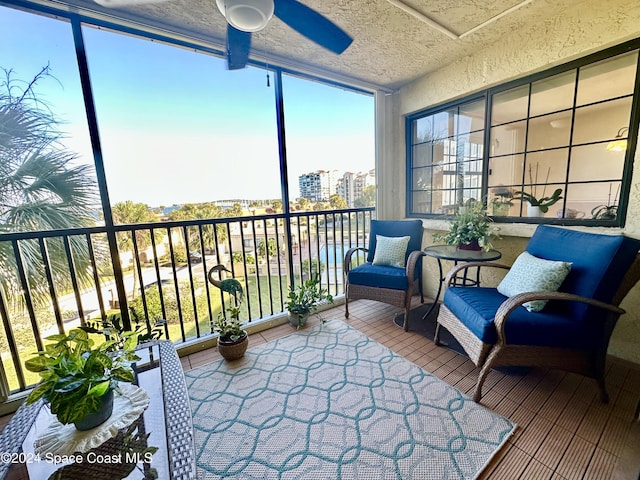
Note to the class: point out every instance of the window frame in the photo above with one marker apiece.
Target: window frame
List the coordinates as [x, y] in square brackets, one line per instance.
[488, 94]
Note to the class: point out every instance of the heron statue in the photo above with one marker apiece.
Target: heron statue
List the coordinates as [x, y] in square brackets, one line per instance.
[228, 285]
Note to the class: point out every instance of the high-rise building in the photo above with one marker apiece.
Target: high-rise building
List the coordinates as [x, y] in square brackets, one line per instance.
[351, 186]
[318, 186]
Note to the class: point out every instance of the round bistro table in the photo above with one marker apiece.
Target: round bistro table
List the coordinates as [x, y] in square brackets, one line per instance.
[458, 255]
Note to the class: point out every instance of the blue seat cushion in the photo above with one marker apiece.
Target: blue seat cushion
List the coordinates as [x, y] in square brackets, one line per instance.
[476, 307]
[381, 276]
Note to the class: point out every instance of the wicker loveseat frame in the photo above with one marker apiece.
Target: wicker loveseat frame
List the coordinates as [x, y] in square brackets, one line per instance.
[585, 361]
[399, 297]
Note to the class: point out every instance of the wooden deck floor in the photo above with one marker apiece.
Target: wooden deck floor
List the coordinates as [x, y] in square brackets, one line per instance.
[564, 431]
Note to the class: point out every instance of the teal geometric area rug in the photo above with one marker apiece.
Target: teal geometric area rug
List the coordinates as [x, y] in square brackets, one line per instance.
[330, 403]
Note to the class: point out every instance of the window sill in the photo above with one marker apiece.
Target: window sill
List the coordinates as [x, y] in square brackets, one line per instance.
[520, 229]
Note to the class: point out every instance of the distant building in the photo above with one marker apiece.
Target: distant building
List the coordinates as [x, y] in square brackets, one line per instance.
[351, 186]
[318, 186]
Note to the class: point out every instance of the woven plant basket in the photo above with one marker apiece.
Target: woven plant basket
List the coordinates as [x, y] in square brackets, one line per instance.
[233, 350]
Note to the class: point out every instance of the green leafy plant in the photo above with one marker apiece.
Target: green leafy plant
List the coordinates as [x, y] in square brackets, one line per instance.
[470, 223]
[75, 375]
[229, 327]
[113, 329]
[304, 298]
[542, 202]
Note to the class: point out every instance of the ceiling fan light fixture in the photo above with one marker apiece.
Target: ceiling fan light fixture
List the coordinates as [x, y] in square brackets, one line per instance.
[619, 143]
[247, 15]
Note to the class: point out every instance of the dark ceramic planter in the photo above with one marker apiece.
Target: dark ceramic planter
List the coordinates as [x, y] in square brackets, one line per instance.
[298, 320]
[474, 245]
[93, 419]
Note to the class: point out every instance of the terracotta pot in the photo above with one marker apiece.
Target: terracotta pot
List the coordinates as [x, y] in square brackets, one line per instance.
[93, 419]
[233, 350]
[474, 245]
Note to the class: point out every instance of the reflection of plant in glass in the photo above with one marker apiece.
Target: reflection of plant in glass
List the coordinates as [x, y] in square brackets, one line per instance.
[502, 200]
[543, 202]
[608, 211]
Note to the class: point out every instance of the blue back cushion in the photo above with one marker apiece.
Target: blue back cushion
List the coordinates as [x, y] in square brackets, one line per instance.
[598, 261]
[396, 228]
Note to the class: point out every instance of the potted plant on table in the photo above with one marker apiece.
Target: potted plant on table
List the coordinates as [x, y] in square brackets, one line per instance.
[470, 228]
[232, 338]
[78, 380]
[304, 299]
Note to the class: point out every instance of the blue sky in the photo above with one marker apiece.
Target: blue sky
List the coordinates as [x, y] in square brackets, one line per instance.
[175, 125]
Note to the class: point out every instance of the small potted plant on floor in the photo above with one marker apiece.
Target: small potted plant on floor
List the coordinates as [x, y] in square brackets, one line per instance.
[470, 228]
[304, 299]
[232, 338]
[78, 380]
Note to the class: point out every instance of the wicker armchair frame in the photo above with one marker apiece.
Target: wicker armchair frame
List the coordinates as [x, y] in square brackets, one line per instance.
[398, 298]
[590, 363]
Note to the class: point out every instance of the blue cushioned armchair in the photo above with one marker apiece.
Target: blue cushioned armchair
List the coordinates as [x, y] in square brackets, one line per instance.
[384, 283]
[571, 332]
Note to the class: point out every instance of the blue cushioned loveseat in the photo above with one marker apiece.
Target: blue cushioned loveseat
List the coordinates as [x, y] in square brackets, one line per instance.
[571, 332]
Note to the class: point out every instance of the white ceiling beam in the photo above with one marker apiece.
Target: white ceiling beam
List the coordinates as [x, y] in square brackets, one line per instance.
[423, 18]
[442, 29]
[496, 17]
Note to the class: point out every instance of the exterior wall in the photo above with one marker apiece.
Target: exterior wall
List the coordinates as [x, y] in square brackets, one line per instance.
[585, 27]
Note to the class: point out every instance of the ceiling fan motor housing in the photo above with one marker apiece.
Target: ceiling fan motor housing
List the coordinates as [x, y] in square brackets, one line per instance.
[247, 15]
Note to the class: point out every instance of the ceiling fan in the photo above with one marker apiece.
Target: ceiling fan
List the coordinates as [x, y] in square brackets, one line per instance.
[247, 16]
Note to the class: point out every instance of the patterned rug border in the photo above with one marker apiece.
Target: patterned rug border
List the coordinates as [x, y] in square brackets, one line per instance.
[203, 401]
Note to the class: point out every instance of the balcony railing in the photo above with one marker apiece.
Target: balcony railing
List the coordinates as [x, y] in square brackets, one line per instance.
[54, 281]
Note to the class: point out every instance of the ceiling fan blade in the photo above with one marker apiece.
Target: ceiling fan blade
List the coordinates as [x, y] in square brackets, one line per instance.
[238, 46]
[312, 25]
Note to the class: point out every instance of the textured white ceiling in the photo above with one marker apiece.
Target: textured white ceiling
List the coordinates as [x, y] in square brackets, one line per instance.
[391, 47]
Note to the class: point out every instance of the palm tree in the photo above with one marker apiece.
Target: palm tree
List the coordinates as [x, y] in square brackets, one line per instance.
[202, 211]
[129, 212]
[40, 188]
